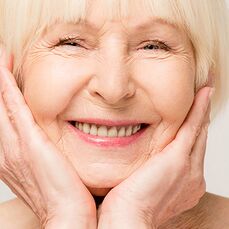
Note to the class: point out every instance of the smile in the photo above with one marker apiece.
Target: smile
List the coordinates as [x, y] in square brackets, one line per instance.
[107, 131]
[104, 134]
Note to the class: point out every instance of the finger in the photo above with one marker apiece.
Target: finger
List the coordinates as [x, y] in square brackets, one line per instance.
[5, 60]
[199, 148]
[41, 153]
[7, 132]
[16, 188]
[9, 157]
[17, 109]
[197, 160]
[191, 127]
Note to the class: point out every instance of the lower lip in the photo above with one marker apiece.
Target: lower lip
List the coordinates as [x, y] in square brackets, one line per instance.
[107, 141]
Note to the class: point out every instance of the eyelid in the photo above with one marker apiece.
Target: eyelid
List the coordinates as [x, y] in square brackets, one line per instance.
[157, 42]
[79, 42]
[69, 39]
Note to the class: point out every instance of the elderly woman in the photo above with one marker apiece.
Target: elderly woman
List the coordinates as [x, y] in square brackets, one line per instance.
[105, 109]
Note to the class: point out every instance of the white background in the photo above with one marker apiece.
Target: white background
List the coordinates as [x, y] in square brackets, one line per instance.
[216, 162]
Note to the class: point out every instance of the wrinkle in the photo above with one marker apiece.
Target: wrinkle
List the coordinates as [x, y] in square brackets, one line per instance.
[103, 106]
[157, 147]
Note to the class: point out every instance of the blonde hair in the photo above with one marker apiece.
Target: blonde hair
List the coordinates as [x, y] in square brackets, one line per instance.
[205, 22]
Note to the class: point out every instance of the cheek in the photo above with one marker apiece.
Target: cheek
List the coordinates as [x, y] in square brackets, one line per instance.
[169, 84]
[50, 84]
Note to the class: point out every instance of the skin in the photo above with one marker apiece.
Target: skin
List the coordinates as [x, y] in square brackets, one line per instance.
[63, 200]
[64, 82]
[211, 213]
[148, 86]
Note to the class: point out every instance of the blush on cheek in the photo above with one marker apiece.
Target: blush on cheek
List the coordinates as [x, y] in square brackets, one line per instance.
[43, 102]
[172, 92]
[176, 106]
[46, 98]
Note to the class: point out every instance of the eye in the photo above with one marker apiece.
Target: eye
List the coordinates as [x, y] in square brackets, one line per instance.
[71, 42]
[156, 45]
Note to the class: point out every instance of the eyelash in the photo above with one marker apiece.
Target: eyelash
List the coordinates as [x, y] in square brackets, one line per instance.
[69, 41]
[160, 45]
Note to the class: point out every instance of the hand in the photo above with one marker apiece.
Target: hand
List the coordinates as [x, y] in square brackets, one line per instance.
[170, 182]
[34, 169]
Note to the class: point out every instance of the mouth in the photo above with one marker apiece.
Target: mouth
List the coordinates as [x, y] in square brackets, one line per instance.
[108, 133]
[111, 131]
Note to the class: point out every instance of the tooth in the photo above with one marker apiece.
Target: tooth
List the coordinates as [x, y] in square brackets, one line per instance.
[112, 132]
[102, 131]
[77, 125]
[86, 128]
[122, 132]
[93, 130]
[135, 129]
[129, 131]
[80, 126]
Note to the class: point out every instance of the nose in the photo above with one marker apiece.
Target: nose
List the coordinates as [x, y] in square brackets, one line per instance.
[112, 82]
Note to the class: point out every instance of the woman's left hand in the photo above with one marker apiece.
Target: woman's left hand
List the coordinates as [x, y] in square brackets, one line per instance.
[170, 182]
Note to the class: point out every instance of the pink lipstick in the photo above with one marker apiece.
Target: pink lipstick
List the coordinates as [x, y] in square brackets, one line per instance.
[95, 131]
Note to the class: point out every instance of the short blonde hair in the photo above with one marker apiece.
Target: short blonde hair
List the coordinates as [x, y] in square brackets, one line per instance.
[205, 22]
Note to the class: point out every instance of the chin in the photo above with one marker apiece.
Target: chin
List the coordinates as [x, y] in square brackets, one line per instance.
[100, 180]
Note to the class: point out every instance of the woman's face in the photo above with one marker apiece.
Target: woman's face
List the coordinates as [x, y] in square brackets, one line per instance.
[116, 74]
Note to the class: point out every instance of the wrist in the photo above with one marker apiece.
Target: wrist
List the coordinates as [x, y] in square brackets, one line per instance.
[125, 220]
[70, 220]
[71, 223]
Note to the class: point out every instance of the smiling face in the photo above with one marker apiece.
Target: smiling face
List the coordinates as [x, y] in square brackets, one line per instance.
[117, 74]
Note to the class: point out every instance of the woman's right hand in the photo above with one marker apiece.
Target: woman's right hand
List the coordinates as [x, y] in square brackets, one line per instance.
[34, 169]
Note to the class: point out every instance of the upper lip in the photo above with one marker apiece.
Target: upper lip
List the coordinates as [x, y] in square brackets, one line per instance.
[106, 122]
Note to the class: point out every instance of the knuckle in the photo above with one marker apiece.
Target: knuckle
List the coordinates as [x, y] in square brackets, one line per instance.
[10, 154]
[13, 111]
[196, 129]
[205, 128]
[5, 168]
[10, 146]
